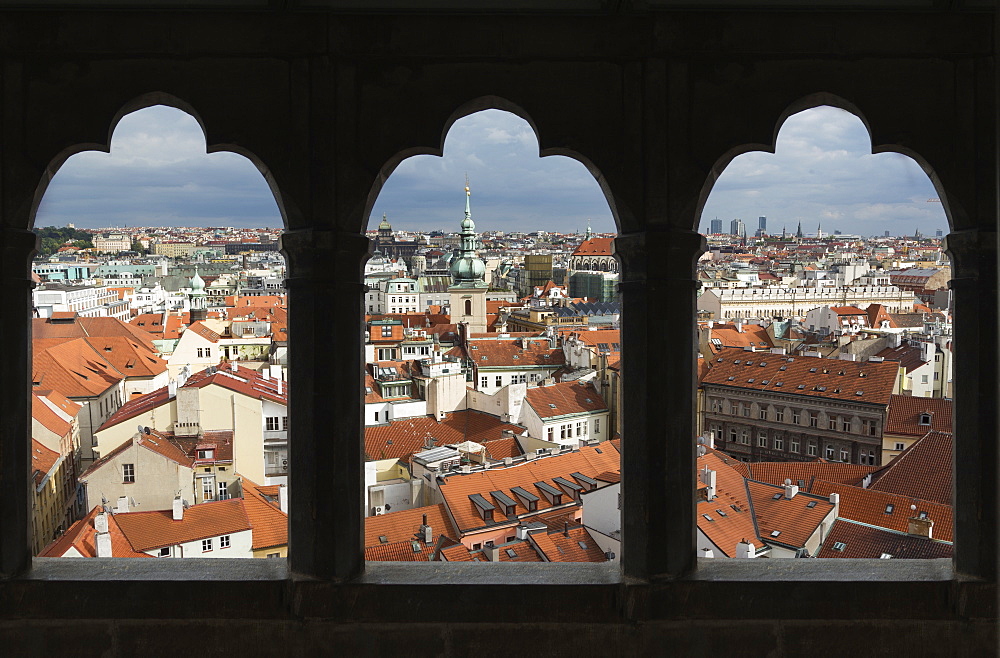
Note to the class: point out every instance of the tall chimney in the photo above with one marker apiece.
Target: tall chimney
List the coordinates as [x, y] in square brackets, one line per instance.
[425, 531]
[103, 544]
[102, 540]
[279, 385]
[283, 498]
[707, 477]
[178, 509]
[493, 552]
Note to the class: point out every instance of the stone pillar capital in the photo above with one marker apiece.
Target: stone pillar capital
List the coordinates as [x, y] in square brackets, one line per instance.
[324, 254]
[972, 252]
[18, 246]
[658, 254]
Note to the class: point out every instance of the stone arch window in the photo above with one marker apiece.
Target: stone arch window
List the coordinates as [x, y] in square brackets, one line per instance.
[317, 100]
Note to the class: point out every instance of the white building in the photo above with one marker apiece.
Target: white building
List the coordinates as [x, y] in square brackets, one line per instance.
[85, 301]
[795, 302]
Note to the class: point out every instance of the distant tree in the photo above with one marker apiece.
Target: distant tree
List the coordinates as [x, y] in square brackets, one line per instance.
[137, 247]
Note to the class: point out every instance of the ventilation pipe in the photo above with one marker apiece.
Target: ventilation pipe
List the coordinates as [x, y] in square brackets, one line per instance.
[790, 489]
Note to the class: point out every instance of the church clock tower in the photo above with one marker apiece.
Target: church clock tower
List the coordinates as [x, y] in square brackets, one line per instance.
[468, 275]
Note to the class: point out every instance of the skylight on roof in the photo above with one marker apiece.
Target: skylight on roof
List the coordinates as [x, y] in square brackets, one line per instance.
[811, 504]
[708, 518]
[801, 386]
[812, 369]
[776, 496]
[839, 546]
[889, 508]
[775, 533]
[511, 552]
[766, 382]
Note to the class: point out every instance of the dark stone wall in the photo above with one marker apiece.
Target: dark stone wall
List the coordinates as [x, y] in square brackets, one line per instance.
[655, 105]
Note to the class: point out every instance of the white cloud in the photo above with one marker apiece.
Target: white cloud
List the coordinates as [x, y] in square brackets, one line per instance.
[158, 172]
[823, 170]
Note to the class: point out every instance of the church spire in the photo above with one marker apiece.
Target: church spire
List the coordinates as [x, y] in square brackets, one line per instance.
[590, 233]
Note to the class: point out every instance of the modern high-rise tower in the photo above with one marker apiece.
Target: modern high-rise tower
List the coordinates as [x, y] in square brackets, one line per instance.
[716, 227]
[737, 228]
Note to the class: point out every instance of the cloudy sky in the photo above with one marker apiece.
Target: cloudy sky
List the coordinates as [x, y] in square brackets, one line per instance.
[823, 171]
[159, 174]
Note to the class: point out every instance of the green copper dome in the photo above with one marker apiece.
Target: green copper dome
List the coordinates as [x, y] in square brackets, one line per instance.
[468, 269]
[384, 224]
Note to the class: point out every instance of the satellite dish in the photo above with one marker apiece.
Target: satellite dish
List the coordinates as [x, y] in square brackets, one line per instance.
[141, 430]
[145, 430]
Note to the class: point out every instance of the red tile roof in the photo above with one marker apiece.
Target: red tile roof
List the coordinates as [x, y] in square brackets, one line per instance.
[906, 355]
[805, 472]
[81, 536]
[595, 247]
[565, 398]
[42, 461]
[270, 524]
[456, 488]
[401, 551]
[924, 470]
[869, 506]
[47, 417]
[905, 412]
[840, 380]
[847, 310]
[244, 381]
[508, 352]
[404, 525]
[92, 327]
[150, 530]
[72, 367]
[728, 525]
[729, 336]
[401, 438]
[573, 544]
[792, 518]
[864, 541]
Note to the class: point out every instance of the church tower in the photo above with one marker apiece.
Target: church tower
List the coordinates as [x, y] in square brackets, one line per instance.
[468, 275]
[199, 310]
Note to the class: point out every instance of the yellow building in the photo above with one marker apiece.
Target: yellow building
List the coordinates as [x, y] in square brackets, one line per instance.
[53, 496]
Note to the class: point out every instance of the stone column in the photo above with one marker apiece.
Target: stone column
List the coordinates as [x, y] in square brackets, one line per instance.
[16, 247]
[973, 255]
[659, 343]
[326, 431]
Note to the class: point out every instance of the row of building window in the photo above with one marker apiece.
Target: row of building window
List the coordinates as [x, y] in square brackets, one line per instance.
[794, 445]
[566, 429]
[522, 378]
[845, 423]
